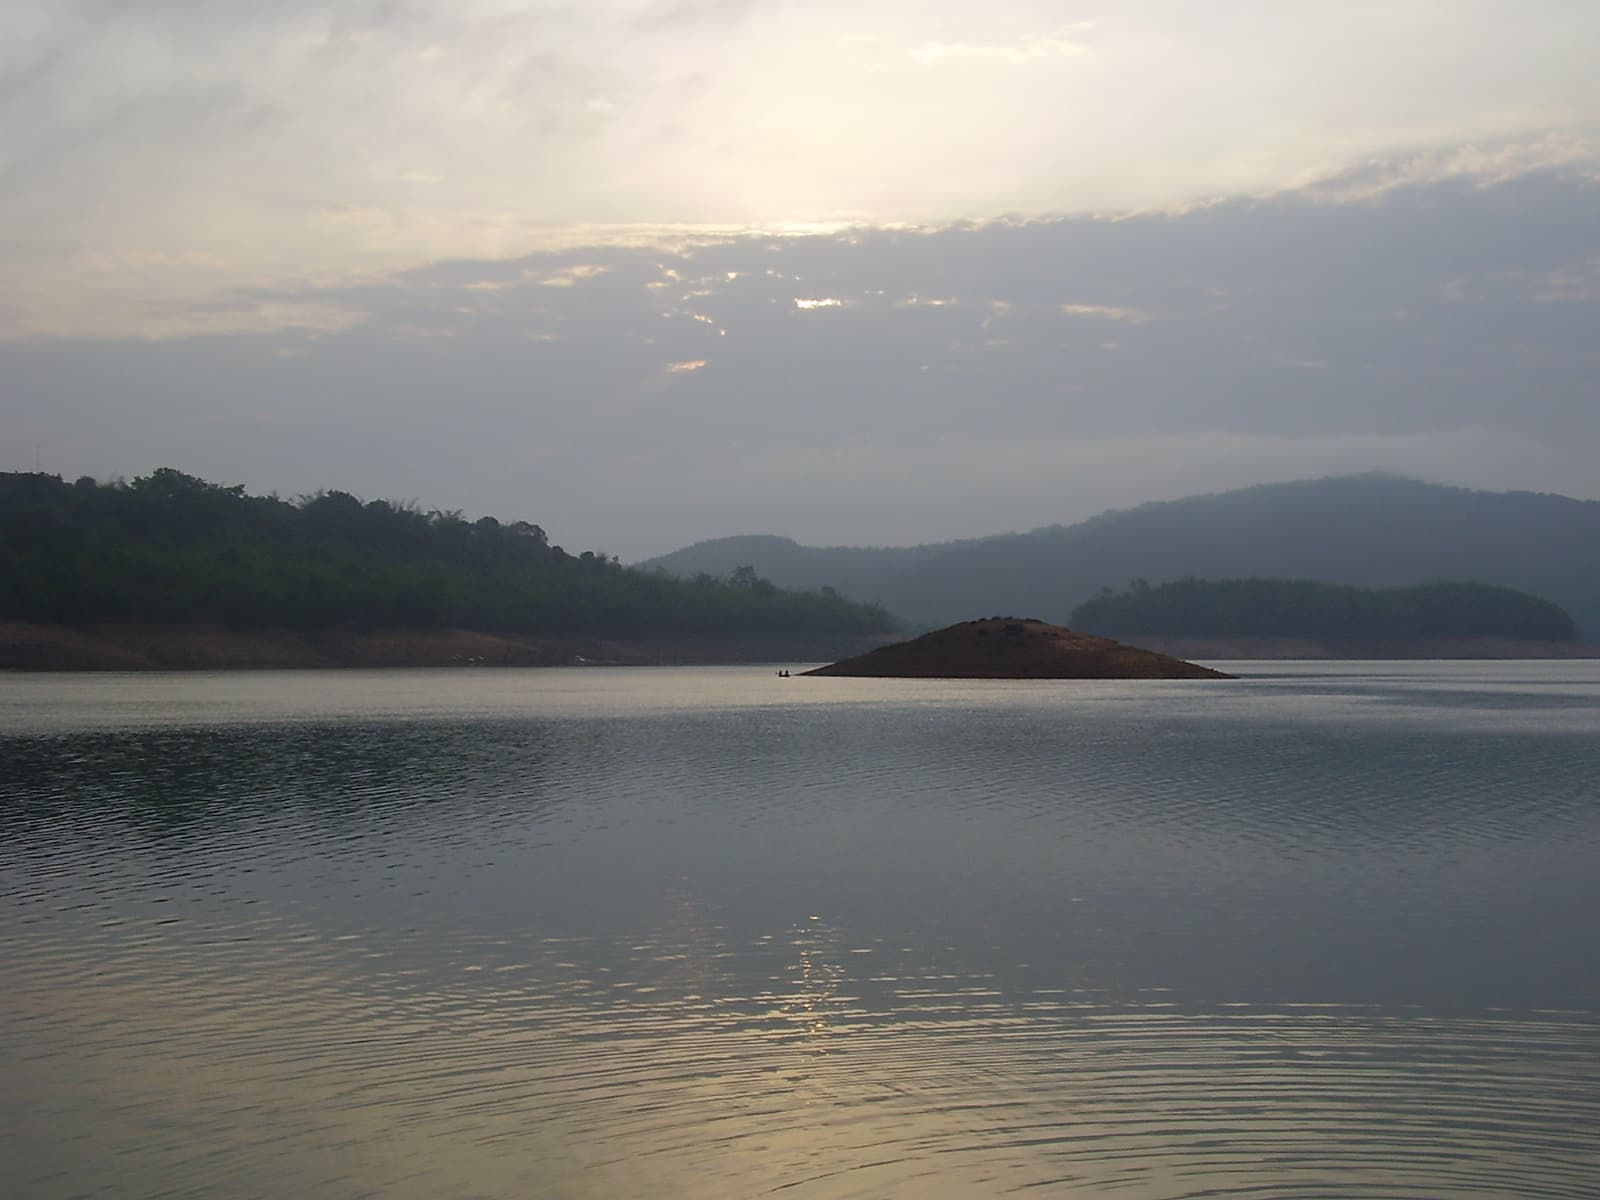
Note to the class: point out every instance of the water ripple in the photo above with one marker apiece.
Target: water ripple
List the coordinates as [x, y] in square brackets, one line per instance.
[1246, 942]
[834, 1073]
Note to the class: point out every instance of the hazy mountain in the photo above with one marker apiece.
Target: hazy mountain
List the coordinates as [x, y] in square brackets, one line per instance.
[1367, 530]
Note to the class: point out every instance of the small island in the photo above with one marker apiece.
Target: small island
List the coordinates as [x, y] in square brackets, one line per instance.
[1014, 648]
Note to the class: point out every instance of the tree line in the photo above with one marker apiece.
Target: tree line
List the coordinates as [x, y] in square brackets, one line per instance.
[1294, 608]
[174, 549]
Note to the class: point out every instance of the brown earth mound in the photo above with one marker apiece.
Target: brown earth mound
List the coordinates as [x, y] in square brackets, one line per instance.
[1012, 648]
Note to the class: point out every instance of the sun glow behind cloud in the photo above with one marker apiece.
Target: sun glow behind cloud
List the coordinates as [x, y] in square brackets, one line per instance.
[1026, 49]
[361, 139]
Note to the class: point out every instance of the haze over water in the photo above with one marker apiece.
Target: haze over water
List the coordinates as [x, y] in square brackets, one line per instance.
[1324, 931]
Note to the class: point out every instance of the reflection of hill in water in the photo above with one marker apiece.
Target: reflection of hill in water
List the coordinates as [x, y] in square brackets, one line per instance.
[1277, 760]
[320, 779]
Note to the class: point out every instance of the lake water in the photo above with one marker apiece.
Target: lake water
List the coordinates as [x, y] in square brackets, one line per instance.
[1325, 931]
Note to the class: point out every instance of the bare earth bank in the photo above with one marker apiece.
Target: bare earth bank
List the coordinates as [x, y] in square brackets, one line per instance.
[209, 647]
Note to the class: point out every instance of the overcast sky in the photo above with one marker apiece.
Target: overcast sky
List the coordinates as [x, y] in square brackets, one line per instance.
[646, 272]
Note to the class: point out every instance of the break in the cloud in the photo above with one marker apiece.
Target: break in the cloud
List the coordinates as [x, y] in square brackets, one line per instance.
[1433, 315]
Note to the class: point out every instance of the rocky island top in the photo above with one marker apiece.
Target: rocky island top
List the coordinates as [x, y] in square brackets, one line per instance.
[1014, 648]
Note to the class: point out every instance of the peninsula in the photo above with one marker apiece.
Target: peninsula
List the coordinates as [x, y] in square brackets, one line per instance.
[1014, 648]
[170, 572]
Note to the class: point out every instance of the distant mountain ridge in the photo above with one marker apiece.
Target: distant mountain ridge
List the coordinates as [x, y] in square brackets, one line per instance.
[1374, 530]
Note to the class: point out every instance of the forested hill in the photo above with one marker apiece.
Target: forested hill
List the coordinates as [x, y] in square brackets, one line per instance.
[1279, 608]
[1362, 530]
[172, 549]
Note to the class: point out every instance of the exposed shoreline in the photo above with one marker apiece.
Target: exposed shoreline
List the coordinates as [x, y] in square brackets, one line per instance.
[126, 647]
[29, 647]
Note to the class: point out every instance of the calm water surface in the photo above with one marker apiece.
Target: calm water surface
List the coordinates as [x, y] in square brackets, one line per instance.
[1325, 931]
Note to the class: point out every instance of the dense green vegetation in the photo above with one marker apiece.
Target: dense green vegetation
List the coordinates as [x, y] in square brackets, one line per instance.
[170, 548]
[1291, 608]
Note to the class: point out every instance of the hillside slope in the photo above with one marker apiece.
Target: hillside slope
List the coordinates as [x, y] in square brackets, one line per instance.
[1364, 530]
[174, 550]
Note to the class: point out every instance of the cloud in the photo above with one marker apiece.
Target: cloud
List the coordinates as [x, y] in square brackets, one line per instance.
[1033, 47]
[883, 384]
[1484, 165]
[1108, 312]
[290, 142]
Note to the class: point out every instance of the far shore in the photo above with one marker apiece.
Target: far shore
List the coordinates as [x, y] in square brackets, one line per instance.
[29, 647]
[1279, 649]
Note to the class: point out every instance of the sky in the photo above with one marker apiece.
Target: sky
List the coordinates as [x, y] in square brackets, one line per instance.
[651, 271]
